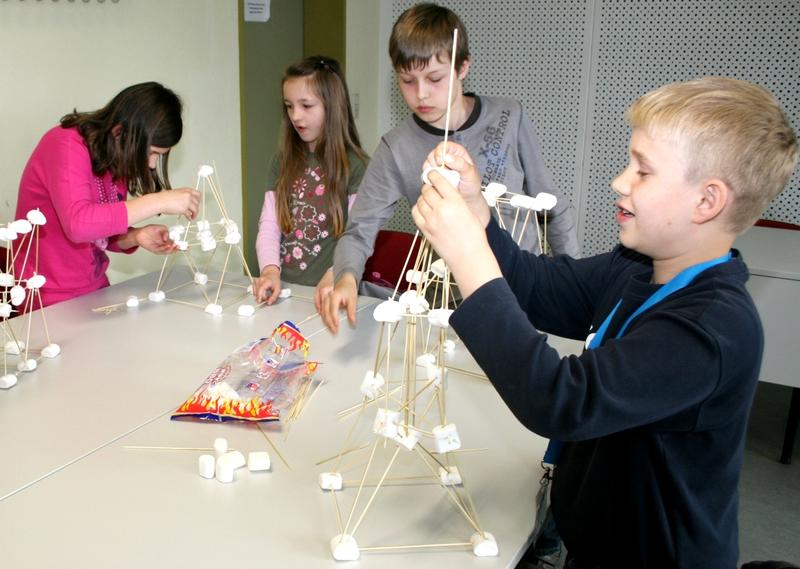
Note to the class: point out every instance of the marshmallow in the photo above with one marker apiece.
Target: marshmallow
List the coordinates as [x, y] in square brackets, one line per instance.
[546, 201]
[51, 350]
[230, 226]
[440, 317]
[8, 380]
[435, 374]
[246, 310]
[449, 346]
[415, 277]
[132, 301]
[6, 279]
[438, 268]
[223, 471]
[214, 309]
[386, 423]
[205, 171]
[205, 465]
[207, 244]
[523, 202]
[425, 360]
[27, 365]
[451, 175]
[156, 296]
[330, 480]
[372, 384]
[484, 545]
[21, 226]
[7, 234]
[203, 228]
[36, 281]
[451, 476]
[14, 348]
[17, 294]
[200, 278]
[388, 311]
[5, 310]
[233, 238]
[285, 293]
[490, 200]
[407, 437]
[446, 438]
[220, 446]
[234, 459]
[36, 217]
[258, 461]
[344, 548]
[413, 302]
[176, 232]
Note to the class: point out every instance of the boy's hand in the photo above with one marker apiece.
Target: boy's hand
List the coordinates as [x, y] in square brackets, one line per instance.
[343, 296]
[456, 233]
[457, 158]
[267, 287]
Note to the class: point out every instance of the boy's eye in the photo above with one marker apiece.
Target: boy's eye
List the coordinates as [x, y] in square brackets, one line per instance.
[435, 79]
[642, 173]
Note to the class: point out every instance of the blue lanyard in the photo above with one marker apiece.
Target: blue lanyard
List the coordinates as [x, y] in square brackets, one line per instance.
[675, 284]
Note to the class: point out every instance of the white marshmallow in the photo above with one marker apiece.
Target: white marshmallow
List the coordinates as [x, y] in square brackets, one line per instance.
[229, 225]
[21, 226]
[51, 350]
[182, 245]
[36, 281]
[220, 446]
[451, 175]
[546, 201]
[407, 437]
[205, 465]
[157, 296]
[258, 461]
[6, 279]
[484, 545]
[435, 374]
[17, 294]
[415, 277]
[203, 228]
[5, 310]
[246, 310]
[8, 380]
[223, 471]
[285, 293]
[344, 548]
[413, 302]
[214, 309]
[523, 202]
[200, 278]
[27, 365]
[449, 347]
[495, 189]
[234, 459]
[205, 171]
[330, 480]
[388, 311]
[36, 217]
[386, 423]
[446, 438]
[233, 238]
[7, 234]
[132, 301]
[451, 476]
[426, 360]
[14, 348]
[491, 201]
[208, 244]
[440, 317]
[439, 268]
[371, 384]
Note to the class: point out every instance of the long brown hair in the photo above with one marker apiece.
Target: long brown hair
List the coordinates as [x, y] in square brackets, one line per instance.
[339, 135]
[119, 135]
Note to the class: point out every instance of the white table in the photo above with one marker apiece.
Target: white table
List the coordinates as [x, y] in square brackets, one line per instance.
[72, 496]
[773, 257]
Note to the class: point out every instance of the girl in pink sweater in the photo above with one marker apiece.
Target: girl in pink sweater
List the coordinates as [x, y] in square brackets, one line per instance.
[80, 175]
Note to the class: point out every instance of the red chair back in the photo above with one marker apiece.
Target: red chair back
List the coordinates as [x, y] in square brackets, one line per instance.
[385, 266]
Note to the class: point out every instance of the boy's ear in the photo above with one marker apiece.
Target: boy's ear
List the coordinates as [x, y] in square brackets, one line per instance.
[715, 195]
[462, 73]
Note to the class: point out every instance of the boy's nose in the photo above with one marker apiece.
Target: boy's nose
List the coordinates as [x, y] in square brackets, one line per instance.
[618, 184]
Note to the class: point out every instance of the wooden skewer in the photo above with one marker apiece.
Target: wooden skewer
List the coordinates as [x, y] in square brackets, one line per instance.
[144, 447]
[417, 546]
[266, 436]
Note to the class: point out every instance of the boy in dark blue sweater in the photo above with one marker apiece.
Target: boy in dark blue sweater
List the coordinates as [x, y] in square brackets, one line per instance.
[653, 413]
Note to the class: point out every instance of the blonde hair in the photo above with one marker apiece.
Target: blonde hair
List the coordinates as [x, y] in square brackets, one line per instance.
[729, 129]
[423, 31]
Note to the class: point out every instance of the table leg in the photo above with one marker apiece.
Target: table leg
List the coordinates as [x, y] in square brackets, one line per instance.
[791, 427]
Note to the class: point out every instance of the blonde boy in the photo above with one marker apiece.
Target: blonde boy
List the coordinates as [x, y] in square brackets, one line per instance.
[654, 411]
[496, 131]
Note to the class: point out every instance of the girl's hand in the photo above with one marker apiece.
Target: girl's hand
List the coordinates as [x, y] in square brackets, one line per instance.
[154, 238]
[444, 217]
[267, 287]
[457, 158]
[178, 201]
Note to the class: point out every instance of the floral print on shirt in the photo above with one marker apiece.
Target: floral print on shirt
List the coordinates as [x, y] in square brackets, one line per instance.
[310, 220]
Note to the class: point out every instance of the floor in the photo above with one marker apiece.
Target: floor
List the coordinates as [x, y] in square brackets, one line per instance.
[769, 510]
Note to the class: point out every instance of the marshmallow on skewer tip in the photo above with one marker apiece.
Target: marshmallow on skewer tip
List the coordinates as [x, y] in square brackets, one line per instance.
[51, 350]
[36, 217]
[6, 279]
[157, 296]
[35, 281]
[21, 226]
[545, 201]
[17, 295]
[205, 171]
[372, 384]
[8, 381]
[7, 234]
[5, 310]
[27, 365]
[132, 301]
[330, 480]
[14, 347]
[450, 175]
[344, 547]
[388, 311]
[200, 278]
[246, 310]
[213, 308]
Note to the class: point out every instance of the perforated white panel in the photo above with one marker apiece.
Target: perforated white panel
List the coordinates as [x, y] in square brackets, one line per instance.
[576, 65]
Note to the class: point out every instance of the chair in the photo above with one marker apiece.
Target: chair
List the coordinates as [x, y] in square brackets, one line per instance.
[385, 266]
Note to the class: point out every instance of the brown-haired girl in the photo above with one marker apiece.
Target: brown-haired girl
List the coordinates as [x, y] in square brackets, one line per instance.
[79, 177]
[313, 178]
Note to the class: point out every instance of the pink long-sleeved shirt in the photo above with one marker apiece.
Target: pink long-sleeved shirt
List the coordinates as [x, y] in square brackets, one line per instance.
[85, 215]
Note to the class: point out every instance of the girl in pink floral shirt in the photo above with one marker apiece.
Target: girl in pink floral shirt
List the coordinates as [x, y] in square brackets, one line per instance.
[313, 178]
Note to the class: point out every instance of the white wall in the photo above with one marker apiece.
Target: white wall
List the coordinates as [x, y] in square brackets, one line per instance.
[59, 55]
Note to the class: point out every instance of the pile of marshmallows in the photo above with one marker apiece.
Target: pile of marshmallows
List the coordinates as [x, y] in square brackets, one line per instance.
[227, 461]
